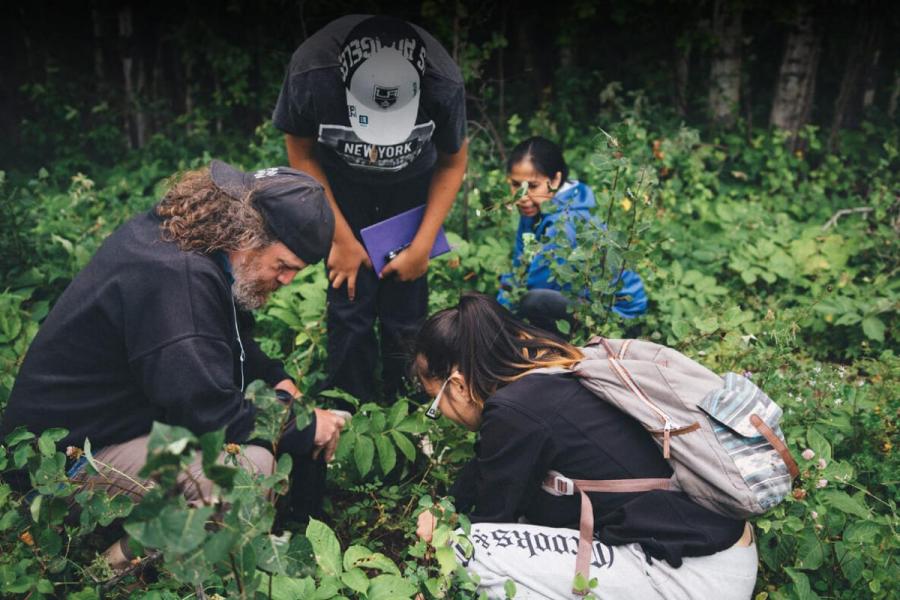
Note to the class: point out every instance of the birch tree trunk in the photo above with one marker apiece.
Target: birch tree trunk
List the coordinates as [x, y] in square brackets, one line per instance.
[725, 73]
[796, 84]
[135, 124]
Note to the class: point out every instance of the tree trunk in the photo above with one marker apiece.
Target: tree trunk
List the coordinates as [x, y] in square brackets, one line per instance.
[872, 59]
[188, 95]
[796, 83]
[525, 49]
[135, 122]
[97, 23]
[858, 82]
[895, 96]
[682, 72]
[725, 73]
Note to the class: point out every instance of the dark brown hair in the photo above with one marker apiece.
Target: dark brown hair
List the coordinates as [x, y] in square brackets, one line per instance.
[200, 217]
[489, 346]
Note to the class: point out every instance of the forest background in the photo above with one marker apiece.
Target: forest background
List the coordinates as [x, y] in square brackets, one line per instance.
[744, 155]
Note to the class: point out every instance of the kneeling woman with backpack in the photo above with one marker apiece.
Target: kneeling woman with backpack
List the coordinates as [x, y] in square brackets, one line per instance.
[475, 360]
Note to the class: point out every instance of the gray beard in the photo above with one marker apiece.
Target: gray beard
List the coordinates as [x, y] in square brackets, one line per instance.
[250, 293]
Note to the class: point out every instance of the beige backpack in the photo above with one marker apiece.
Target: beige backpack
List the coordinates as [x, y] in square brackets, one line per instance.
[721, 435]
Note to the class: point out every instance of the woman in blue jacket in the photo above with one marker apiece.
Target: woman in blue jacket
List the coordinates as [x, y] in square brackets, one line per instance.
[548, 200]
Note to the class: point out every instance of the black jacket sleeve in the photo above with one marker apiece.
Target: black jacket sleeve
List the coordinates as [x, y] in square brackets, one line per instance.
[510, 454]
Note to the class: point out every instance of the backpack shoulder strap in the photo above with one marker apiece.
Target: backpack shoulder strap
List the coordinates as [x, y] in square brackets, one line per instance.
[558, 485]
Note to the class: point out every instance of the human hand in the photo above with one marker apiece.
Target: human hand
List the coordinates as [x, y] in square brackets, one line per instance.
[288, 386]
[425, 526]
[410, 264]
[343, 263]
[328, 433]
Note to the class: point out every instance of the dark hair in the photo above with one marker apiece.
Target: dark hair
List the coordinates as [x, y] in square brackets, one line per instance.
[487, 345]
[546, 157]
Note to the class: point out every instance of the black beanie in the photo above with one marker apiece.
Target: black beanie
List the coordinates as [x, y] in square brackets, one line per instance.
[292, 203]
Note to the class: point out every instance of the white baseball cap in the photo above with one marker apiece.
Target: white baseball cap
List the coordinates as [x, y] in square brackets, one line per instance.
[382, 62]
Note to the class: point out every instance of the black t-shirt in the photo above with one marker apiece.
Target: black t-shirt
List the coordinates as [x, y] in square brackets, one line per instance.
[313, 104]
[551, 422]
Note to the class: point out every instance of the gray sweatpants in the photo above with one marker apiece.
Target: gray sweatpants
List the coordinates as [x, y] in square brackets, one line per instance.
[541, 562]
[119, 464]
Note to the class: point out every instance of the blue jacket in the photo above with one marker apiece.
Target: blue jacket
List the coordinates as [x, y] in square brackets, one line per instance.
[574, 201]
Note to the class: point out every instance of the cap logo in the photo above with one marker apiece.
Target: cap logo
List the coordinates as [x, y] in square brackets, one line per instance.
[386, 97]
[270, 172]
[363, 120]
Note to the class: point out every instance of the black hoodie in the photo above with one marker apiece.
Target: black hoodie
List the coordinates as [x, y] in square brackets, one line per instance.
[145, 332]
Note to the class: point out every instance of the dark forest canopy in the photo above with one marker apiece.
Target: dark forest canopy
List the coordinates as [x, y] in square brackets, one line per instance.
[85, 81]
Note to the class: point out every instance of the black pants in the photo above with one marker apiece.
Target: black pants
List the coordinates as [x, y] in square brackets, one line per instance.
[399, 307]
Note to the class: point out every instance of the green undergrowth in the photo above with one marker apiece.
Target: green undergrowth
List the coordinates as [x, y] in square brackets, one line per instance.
[755, 259]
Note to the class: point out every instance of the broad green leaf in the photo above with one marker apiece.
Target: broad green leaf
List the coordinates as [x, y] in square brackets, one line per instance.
[19, 434]
[810, 552]
[212, 444]
[446, 559]
[706, 325]
[271, 552]
[863, 532]
[378, 561]
[818, 444]
[356, 580]
[325, 546]
[874, 328]
[175, 530]
[329, 588]
[390, 587]
[35, 508]
[846, 503]
[852, 564]
[363, 454]
[404, 445]
[412, 424]
[801, 585]
[355, 554]
[398, 412]
[168, 438]
[290, 588]
[680, 329]
[509, 588]
[48, 439]
[387, 455]
[219, 544]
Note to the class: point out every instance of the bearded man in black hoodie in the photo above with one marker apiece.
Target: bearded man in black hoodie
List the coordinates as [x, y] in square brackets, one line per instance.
[157, 328]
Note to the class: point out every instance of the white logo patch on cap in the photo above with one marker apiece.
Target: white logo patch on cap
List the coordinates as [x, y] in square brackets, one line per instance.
[270, 172]
[385, 96]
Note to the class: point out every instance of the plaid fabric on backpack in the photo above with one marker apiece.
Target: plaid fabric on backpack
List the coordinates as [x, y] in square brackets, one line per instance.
[721, 435]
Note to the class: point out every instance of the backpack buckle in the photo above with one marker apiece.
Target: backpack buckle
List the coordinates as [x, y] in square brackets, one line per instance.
[556, 484]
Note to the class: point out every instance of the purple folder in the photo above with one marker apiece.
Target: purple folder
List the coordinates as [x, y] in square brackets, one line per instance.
[393, 234]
